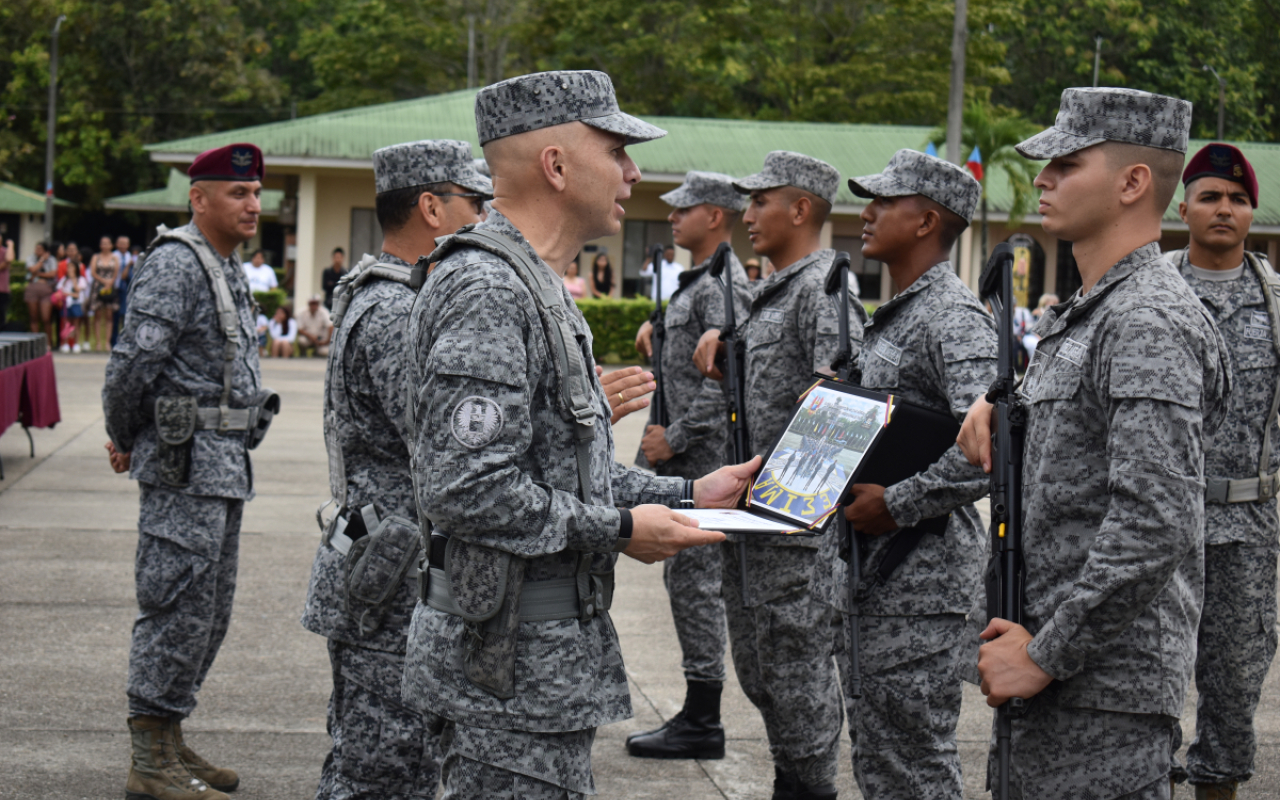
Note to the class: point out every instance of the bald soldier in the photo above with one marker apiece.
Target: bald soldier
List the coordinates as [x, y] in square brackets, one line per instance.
[780, 624]
[513, 460]
[184, 404]
[1129, 380]
[1237, 635]
[381, 748]
[704, 209]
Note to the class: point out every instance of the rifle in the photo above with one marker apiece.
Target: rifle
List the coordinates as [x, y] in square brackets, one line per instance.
[838, 286]
[659, 415]
[1004, 576]
[735, 364]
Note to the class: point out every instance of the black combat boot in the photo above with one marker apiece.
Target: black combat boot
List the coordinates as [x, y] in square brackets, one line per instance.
[695, 732]
[803, 792]
[784, 784]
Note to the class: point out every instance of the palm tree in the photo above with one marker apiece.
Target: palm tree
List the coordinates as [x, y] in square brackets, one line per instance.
[994, 132]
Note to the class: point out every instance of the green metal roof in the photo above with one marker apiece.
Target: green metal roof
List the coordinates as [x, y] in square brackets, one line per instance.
[16, 200]
[173, 197]
[736, 147]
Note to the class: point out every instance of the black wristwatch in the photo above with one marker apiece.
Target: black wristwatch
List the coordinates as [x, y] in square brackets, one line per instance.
[624, 530]
[686, 497]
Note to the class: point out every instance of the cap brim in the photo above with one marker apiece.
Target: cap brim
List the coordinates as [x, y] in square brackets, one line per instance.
[1055, 143]
[756, 183]
[879, 185]
[473, 180]
[635, 130]
[681, 197]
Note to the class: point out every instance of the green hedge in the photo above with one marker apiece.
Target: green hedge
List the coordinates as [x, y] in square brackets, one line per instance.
[613, 327]
[270, 300]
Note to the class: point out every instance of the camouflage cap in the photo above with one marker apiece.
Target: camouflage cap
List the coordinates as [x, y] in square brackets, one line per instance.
[543, 99]
[784, 168]
[911, 172]
[482, 167]
[401, 166]
[705, 187]
[1092, 116]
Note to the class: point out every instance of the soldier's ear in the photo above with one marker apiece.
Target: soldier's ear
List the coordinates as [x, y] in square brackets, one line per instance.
[930, 221]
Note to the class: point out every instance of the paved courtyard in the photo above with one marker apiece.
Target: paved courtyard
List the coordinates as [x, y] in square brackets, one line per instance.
[67, 538]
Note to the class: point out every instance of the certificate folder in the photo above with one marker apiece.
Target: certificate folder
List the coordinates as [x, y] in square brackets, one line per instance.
[838, 435]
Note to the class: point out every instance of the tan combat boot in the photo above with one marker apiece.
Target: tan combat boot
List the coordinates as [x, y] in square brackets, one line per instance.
[157, 773]
[224, 780]
[1216, 791]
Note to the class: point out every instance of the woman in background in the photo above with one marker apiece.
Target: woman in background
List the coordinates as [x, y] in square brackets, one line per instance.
[104, 268]
[284, 332]
[601, 276]
[574, 283]
[42, 273]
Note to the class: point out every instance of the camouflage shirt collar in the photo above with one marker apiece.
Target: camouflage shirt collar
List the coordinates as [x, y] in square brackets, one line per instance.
[387, 258]
[903, 297]
[1121, 270]
[775, 282]
[498, 223]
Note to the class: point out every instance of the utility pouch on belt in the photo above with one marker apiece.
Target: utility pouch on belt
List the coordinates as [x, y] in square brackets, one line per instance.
[377, 564]
[175, 424]
[490, 608]
[268, 405]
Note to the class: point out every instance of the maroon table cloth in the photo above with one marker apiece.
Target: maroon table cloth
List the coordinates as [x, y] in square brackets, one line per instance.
[30, 390]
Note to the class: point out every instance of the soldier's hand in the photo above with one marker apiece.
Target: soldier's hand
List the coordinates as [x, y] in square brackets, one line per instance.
[655, 446]
[658, 533]
[627, 390]
[868, 512]
[119, 461]
[1005, 666]
[975, 434]
[722, 488]
[644, 339]
[704, 357]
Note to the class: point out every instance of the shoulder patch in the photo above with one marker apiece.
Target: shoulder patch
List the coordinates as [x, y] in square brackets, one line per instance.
[476, 422]
[150, 335]
[1072, 351]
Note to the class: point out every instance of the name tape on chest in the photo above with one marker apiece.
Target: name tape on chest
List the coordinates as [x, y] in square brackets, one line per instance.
[1073, 351]
[773, 316]
[889, 352]
[1253, 332]
[476, 422]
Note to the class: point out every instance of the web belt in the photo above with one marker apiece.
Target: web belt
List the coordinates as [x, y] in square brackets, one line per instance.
[1241, 490]
[540, 601]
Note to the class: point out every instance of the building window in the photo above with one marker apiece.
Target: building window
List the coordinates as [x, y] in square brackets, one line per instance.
[366, 234]
[865, 271]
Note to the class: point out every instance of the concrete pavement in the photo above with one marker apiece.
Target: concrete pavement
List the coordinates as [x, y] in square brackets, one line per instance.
[67, 538]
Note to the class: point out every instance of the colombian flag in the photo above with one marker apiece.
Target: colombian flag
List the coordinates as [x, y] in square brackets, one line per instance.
[975, 163]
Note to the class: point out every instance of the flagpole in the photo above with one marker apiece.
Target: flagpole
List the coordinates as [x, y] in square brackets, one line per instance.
[955, 102]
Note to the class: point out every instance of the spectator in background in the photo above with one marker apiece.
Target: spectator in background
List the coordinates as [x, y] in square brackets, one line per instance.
[72, 286]
[261, 325]
[126, 258]
[601, 275]
[315, 329]
[573, 282]
[1029, 339]
[104, 271]
[261, 277]
[332, 274]
[284, 332]
[61, 298]
[753, 269]
[670, 275]
[42, 274]
[7, 255]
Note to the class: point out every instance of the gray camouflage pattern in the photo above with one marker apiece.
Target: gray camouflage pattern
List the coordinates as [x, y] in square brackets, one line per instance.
[543, 99]
[783, 647]
[785, 168]
[372, 433]
[912, 172]
[185, 580]
[1240, 310]
[381, 749]
[705, 187]
[1237, 641]
[401, 166]
[1060, 752]
[903, 728]
[171, 344]
[515, 765]
[692, 579]
[1091, 116]
[478, 338]
[1126, 383]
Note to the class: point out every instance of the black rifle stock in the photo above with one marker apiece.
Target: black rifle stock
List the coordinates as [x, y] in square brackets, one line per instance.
[1009, 418]
[735, 375]
[658, 320]
[838, 286]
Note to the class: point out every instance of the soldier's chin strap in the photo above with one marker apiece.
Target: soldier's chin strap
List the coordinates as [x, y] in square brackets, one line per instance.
[548, 293]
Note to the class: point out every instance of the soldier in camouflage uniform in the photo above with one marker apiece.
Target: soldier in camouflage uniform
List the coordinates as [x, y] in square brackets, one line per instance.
[513, 458]
[1237, 637]
[381, 748]
[1129, 378]
[780, 624]
[706, 207]
[934, 345]
[182, 397]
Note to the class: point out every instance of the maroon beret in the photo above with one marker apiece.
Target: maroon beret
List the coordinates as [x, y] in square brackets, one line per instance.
[1223, 161]
[235, 162]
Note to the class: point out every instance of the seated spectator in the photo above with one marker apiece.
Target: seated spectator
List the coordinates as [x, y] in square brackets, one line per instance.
[574, 283]
[753, 269]
[261, 277]
[284, 332]
[315, 330]
[262, 323]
